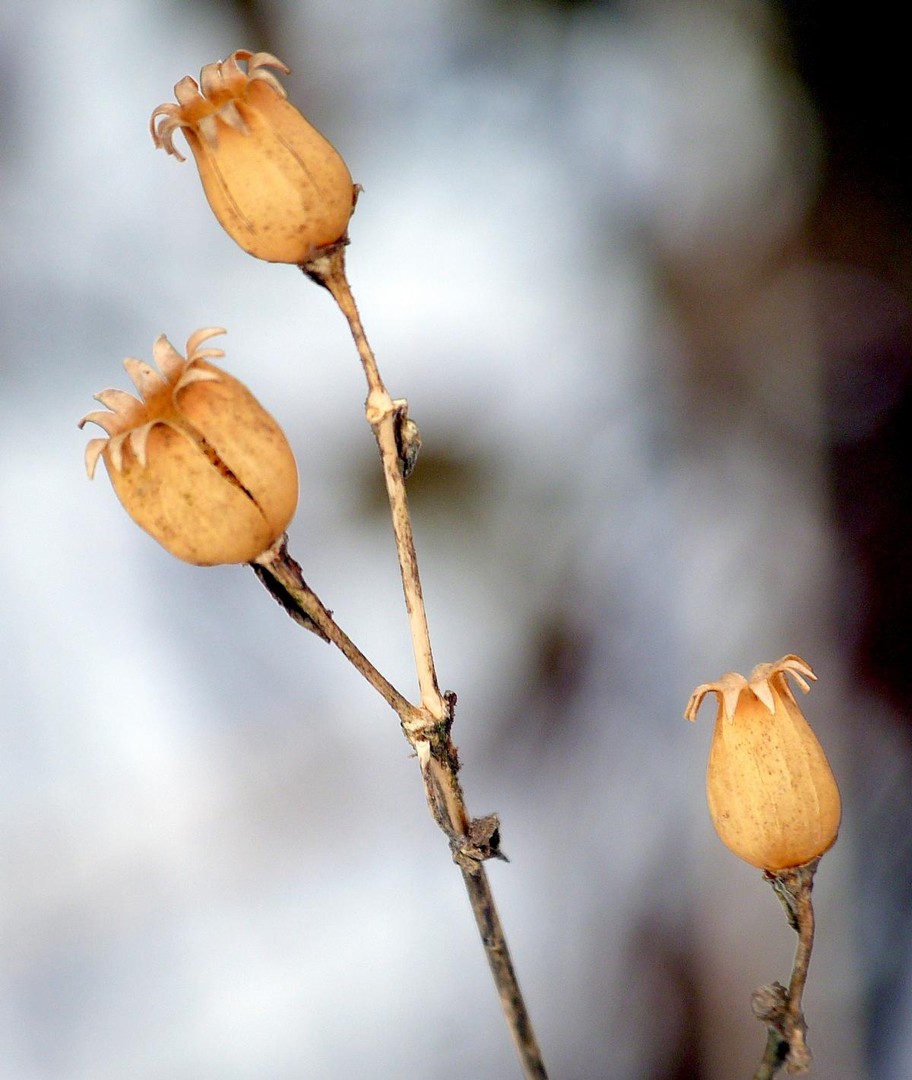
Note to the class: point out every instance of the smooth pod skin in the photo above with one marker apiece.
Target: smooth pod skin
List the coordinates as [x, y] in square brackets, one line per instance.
[772, 795]
[274, 183]
[199, 464]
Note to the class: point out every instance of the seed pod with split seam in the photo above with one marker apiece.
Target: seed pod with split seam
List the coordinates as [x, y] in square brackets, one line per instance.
[198, 462]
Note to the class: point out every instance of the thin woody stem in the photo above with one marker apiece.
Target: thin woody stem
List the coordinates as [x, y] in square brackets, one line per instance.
[501, 964]
[778, 1007]
[282, 577]
[773, 1056]
[804, 916]
[383, 414]
[471, 841]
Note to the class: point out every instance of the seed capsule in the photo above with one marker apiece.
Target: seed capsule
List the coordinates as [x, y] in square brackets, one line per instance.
[277, 187]
[772, 795]
[198, 462]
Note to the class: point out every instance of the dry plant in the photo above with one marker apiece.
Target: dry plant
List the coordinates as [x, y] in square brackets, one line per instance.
[201, 466]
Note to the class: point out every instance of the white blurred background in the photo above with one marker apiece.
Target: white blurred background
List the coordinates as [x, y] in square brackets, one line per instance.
[652, 333]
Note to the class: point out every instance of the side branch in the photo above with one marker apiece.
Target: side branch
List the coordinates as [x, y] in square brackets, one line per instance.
[282, 576]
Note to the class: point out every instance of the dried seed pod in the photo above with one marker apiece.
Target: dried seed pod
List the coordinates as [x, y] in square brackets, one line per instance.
[277, 187]
[198, 462]
[771, 792]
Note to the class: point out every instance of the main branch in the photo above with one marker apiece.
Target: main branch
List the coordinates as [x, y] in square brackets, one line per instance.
[427, 727]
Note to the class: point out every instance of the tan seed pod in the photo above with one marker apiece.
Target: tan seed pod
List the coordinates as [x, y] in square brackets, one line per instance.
[198, 462]
[772, 795]
[276, 185]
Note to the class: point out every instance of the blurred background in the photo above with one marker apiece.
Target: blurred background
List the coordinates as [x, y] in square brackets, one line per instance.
[643, 272]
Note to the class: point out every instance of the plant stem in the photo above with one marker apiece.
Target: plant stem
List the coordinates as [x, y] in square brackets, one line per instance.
[384, 415]
[511, 999]
[476, 841]
[773, 1057]
[428, 728]
[778, 1007]
[282, 577]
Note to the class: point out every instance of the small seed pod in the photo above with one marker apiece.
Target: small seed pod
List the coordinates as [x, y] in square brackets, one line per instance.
[277, 187]
[198, 462]
[772, 795]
